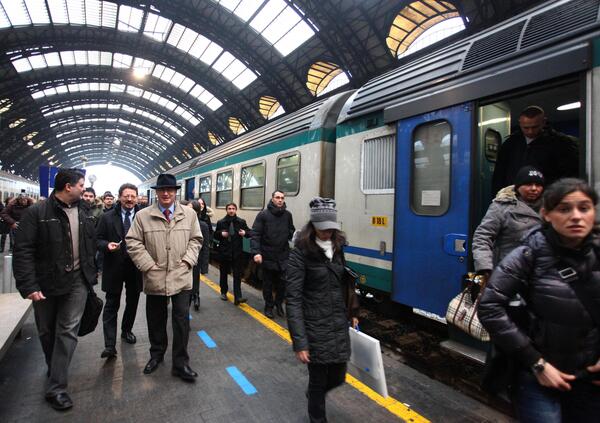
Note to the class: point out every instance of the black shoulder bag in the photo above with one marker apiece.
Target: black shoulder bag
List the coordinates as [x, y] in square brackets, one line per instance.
[91, 313]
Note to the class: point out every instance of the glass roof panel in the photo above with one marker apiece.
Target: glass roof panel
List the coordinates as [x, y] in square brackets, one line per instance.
[62, 89]
[109, 14]
[223, 62]
[76, 11]
[214, 104]
[17, 12]
[267, 14]
[122, 60]
[211, 53]
[37, 61]
[244, 79]
[4, 21]
[58, 11]
[294, 38]
[157, 27]
[130, 19]
[81, 57]
[281, 25]
[93, 13]
[67, 57]
[94, 58]
[106, 58]
[38, 12]
[22, 65]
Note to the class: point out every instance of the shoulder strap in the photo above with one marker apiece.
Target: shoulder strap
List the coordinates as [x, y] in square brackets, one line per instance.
[584, 294]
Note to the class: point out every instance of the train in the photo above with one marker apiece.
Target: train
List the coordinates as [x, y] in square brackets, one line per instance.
[13, 185]
[410, 155]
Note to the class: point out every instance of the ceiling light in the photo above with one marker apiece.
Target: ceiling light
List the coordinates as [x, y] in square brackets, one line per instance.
[569, 106]
[139, 73]
[117, 141]
[492, 121]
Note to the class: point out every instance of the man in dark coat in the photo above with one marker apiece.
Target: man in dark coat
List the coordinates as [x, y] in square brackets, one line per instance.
[229, 232]
[118, 269]
[555, 154]
[54, 267]
[272, 229]
[12, 213]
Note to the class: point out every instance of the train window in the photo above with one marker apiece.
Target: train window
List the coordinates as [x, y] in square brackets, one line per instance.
[224, 188]
[377, 167]
[288, 174]
[205, 183]
[431, 168]
[252, 186]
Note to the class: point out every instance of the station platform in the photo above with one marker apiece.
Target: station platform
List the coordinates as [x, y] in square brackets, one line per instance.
[247, 373]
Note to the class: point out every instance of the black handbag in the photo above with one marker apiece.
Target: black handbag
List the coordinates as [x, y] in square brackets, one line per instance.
[91, 313]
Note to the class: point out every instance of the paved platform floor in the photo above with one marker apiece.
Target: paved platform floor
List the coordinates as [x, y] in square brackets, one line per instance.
[117, 391]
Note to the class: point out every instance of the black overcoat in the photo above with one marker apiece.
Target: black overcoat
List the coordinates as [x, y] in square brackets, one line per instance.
[231, 248]
[272, 229]
[117, 266]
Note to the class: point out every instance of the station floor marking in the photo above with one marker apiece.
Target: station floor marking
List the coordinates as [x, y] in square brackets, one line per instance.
[241, 380]
[208, 341]
[392, 405]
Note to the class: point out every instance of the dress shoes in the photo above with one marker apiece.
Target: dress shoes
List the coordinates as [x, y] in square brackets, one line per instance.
[240, 300]
[186, 373]
[224, 297]
[60, 401]
[279, 308]
[269, 312]
[129, 337]
[109, 352]
[152, 365]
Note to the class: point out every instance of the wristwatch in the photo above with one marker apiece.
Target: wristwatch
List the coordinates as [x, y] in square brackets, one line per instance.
[538, 367]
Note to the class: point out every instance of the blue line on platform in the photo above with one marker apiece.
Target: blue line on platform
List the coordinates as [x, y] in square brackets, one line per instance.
[207, 339]
[241, 380]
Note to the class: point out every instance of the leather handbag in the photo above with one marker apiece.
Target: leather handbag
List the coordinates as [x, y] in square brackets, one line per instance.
[462, 310]
[91, 313]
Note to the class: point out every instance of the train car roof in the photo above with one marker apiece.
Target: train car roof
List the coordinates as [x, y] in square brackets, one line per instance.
[321, 114]
[545, 42]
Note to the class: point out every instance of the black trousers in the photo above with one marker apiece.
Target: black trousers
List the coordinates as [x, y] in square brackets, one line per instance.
[321, 379]
[2, 241]
[156, 314]
[236, 268]
[111, 308]
[273, 279]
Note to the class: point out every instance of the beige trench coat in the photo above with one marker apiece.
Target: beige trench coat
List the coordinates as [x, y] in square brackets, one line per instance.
[165, 252]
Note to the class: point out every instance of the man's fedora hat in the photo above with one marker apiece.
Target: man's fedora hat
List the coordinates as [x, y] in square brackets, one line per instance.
[166, 180]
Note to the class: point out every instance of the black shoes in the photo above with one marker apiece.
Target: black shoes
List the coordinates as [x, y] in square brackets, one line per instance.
[240, 300]
[60, 401]
[152, 365]
[129, 337]
[269, 312]
[279, 308]
[109, 352]
[185, 373]
[196, 300]
[224, 297]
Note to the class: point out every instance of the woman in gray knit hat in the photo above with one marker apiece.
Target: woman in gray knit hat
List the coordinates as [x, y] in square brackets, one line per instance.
[321, 303]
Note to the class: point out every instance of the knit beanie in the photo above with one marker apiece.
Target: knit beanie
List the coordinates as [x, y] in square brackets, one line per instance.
[323, 214]
[528, 175]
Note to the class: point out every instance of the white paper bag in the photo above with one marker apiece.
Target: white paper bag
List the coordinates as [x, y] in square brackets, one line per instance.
[366, 363]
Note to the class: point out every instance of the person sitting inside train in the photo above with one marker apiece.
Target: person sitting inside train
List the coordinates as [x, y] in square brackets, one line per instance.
[555, 154]
[556, 376]
[513, 212]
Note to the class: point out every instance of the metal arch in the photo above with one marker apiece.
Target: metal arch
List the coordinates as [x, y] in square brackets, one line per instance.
[103, 133]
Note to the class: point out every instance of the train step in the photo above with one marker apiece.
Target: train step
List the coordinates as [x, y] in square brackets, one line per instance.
[466, 351]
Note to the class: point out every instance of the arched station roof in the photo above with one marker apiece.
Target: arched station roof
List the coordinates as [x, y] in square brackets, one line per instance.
[146, 85]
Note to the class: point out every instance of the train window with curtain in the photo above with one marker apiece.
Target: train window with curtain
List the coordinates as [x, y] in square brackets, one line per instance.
[288, 174]
[205, 186]
[377, 165]
[252, 186]
[431, 166]
[224, 188]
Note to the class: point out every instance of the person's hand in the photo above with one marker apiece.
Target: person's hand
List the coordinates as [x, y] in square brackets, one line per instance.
[258, 259]
[225, 234]
[303, 356]
[242, 232]
[595, 369]
[355, 323]
[551, 377]
[14, 225]
[36, 296]
[113, 246]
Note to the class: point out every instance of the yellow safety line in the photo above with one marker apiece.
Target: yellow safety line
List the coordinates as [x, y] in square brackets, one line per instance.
[392, 405]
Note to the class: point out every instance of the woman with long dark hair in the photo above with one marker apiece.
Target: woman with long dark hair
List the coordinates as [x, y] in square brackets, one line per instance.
[321, 303]
[557, 272]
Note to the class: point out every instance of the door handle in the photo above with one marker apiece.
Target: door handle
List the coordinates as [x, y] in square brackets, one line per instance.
[455, 244]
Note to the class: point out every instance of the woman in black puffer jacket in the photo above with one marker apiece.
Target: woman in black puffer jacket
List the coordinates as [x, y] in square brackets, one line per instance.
[559, 351]
[320, 303]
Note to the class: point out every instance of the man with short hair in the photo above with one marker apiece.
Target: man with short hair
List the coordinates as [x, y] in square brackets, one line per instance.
[108, 200]
[163, 243]
[118, 269]
[230, 232]
[12, 213]
[555, 154]
[89, 196]
[54, 267]
[272, 229]
[142, 201]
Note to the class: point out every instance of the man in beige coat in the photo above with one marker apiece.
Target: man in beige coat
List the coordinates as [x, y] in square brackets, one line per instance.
[163, 243]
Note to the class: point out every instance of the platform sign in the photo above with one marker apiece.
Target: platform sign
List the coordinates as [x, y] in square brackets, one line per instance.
[47, 176]
[366, 363]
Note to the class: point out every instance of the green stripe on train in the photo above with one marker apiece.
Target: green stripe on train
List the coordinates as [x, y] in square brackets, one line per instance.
[362, 124]
[373, 277]
[308, 137]
[596, 52]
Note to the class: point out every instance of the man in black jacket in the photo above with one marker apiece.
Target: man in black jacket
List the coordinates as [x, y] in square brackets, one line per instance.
[272, 229]
[54, 267]
[229, 232]
[118, 268]
[555, 154]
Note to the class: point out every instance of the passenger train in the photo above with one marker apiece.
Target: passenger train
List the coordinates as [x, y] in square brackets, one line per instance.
[409, 156]
[12, 185]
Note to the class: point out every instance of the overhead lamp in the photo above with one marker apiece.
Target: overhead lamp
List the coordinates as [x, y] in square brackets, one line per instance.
[569, 106]
[492, 121]
[117, 142]
[139, 73]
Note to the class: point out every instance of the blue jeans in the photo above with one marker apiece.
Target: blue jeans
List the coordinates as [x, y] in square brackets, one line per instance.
[538, 404]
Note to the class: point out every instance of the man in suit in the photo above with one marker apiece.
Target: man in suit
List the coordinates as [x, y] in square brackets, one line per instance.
[118, 269]
[164, 242]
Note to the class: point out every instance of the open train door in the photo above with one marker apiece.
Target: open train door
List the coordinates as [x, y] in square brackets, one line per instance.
[431, 219]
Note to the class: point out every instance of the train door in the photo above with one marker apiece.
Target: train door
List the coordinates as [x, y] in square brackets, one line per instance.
[190, 185]
[431, 220]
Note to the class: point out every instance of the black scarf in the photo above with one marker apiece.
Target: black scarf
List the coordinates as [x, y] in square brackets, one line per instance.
[582, 259]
